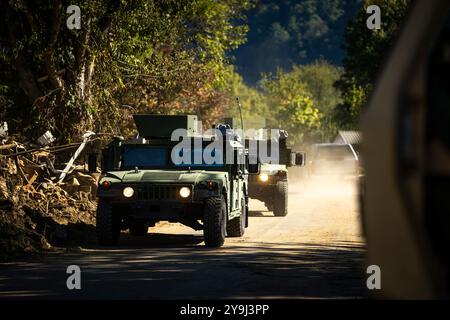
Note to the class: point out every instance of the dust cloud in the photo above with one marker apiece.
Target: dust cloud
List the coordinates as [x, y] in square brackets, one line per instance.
[323, 185]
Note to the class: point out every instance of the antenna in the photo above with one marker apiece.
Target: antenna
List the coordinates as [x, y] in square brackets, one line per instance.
[240, 113]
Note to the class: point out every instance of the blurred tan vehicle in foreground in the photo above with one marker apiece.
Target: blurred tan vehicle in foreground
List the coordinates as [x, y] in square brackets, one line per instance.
[406, 150]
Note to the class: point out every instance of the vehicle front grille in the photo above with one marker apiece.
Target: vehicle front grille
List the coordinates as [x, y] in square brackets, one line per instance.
[158, 192]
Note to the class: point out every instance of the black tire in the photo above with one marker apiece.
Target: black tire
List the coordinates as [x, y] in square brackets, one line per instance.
[236, 226]
[214, 222]
[107, 224]
[269, 205]
[138, 229]
[280, 207]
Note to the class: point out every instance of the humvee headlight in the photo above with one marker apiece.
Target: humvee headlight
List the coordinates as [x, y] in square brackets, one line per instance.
[185, 192]
[128, 192]
[263, 177]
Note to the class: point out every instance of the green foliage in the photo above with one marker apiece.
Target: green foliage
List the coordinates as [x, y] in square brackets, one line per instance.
[366, 52]
[319, 78]
[301, 101]
[292, 32]
[290, 105]
[253, 102]
[152, 56]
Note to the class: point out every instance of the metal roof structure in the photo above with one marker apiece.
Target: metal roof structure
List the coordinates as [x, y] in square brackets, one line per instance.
[349, 137]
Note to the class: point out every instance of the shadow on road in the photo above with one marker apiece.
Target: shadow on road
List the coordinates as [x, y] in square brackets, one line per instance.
[166, 266]
[159, 240]
[260, 214]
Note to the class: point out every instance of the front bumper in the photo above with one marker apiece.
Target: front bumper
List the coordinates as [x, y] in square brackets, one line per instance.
[163, 211]
[263, 191]
[158, 202]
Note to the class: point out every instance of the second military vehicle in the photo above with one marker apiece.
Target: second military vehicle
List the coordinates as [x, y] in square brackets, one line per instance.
[142, 184]
[334, 160]
[271, 185]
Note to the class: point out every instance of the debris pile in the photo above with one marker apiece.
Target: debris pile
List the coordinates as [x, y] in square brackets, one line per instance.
[39, 209]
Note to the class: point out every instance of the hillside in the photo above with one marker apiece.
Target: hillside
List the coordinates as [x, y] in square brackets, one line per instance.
[287, 32]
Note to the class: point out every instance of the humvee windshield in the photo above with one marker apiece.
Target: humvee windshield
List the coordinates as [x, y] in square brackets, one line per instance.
[197, 158]
[150, 157]
[145, 157]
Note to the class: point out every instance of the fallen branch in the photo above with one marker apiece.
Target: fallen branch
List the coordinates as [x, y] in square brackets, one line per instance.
[8, 146]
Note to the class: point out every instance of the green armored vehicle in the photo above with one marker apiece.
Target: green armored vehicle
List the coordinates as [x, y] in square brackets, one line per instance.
[271, 185]
[143, 184]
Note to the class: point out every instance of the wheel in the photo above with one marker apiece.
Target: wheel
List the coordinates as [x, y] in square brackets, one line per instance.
[138, 229]
[107, 224]
[280, 207]
[214, 222]
[236, 226]
[269, 205]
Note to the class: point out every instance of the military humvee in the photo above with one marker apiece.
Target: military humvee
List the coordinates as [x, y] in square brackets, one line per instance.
[271, 185]
[142, 185]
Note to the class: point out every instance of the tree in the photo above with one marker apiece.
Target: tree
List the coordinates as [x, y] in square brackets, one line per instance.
[291, 106]
[366, 51]
[292, 32]
[253, 102]
[319, 78]
[301, 101]
[148, 55]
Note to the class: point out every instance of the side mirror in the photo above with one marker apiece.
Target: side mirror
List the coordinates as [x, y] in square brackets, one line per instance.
[254, 168]
[92, 163]
[298, 158]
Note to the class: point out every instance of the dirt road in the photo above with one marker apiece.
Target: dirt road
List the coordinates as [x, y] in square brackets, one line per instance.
[314, 252]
